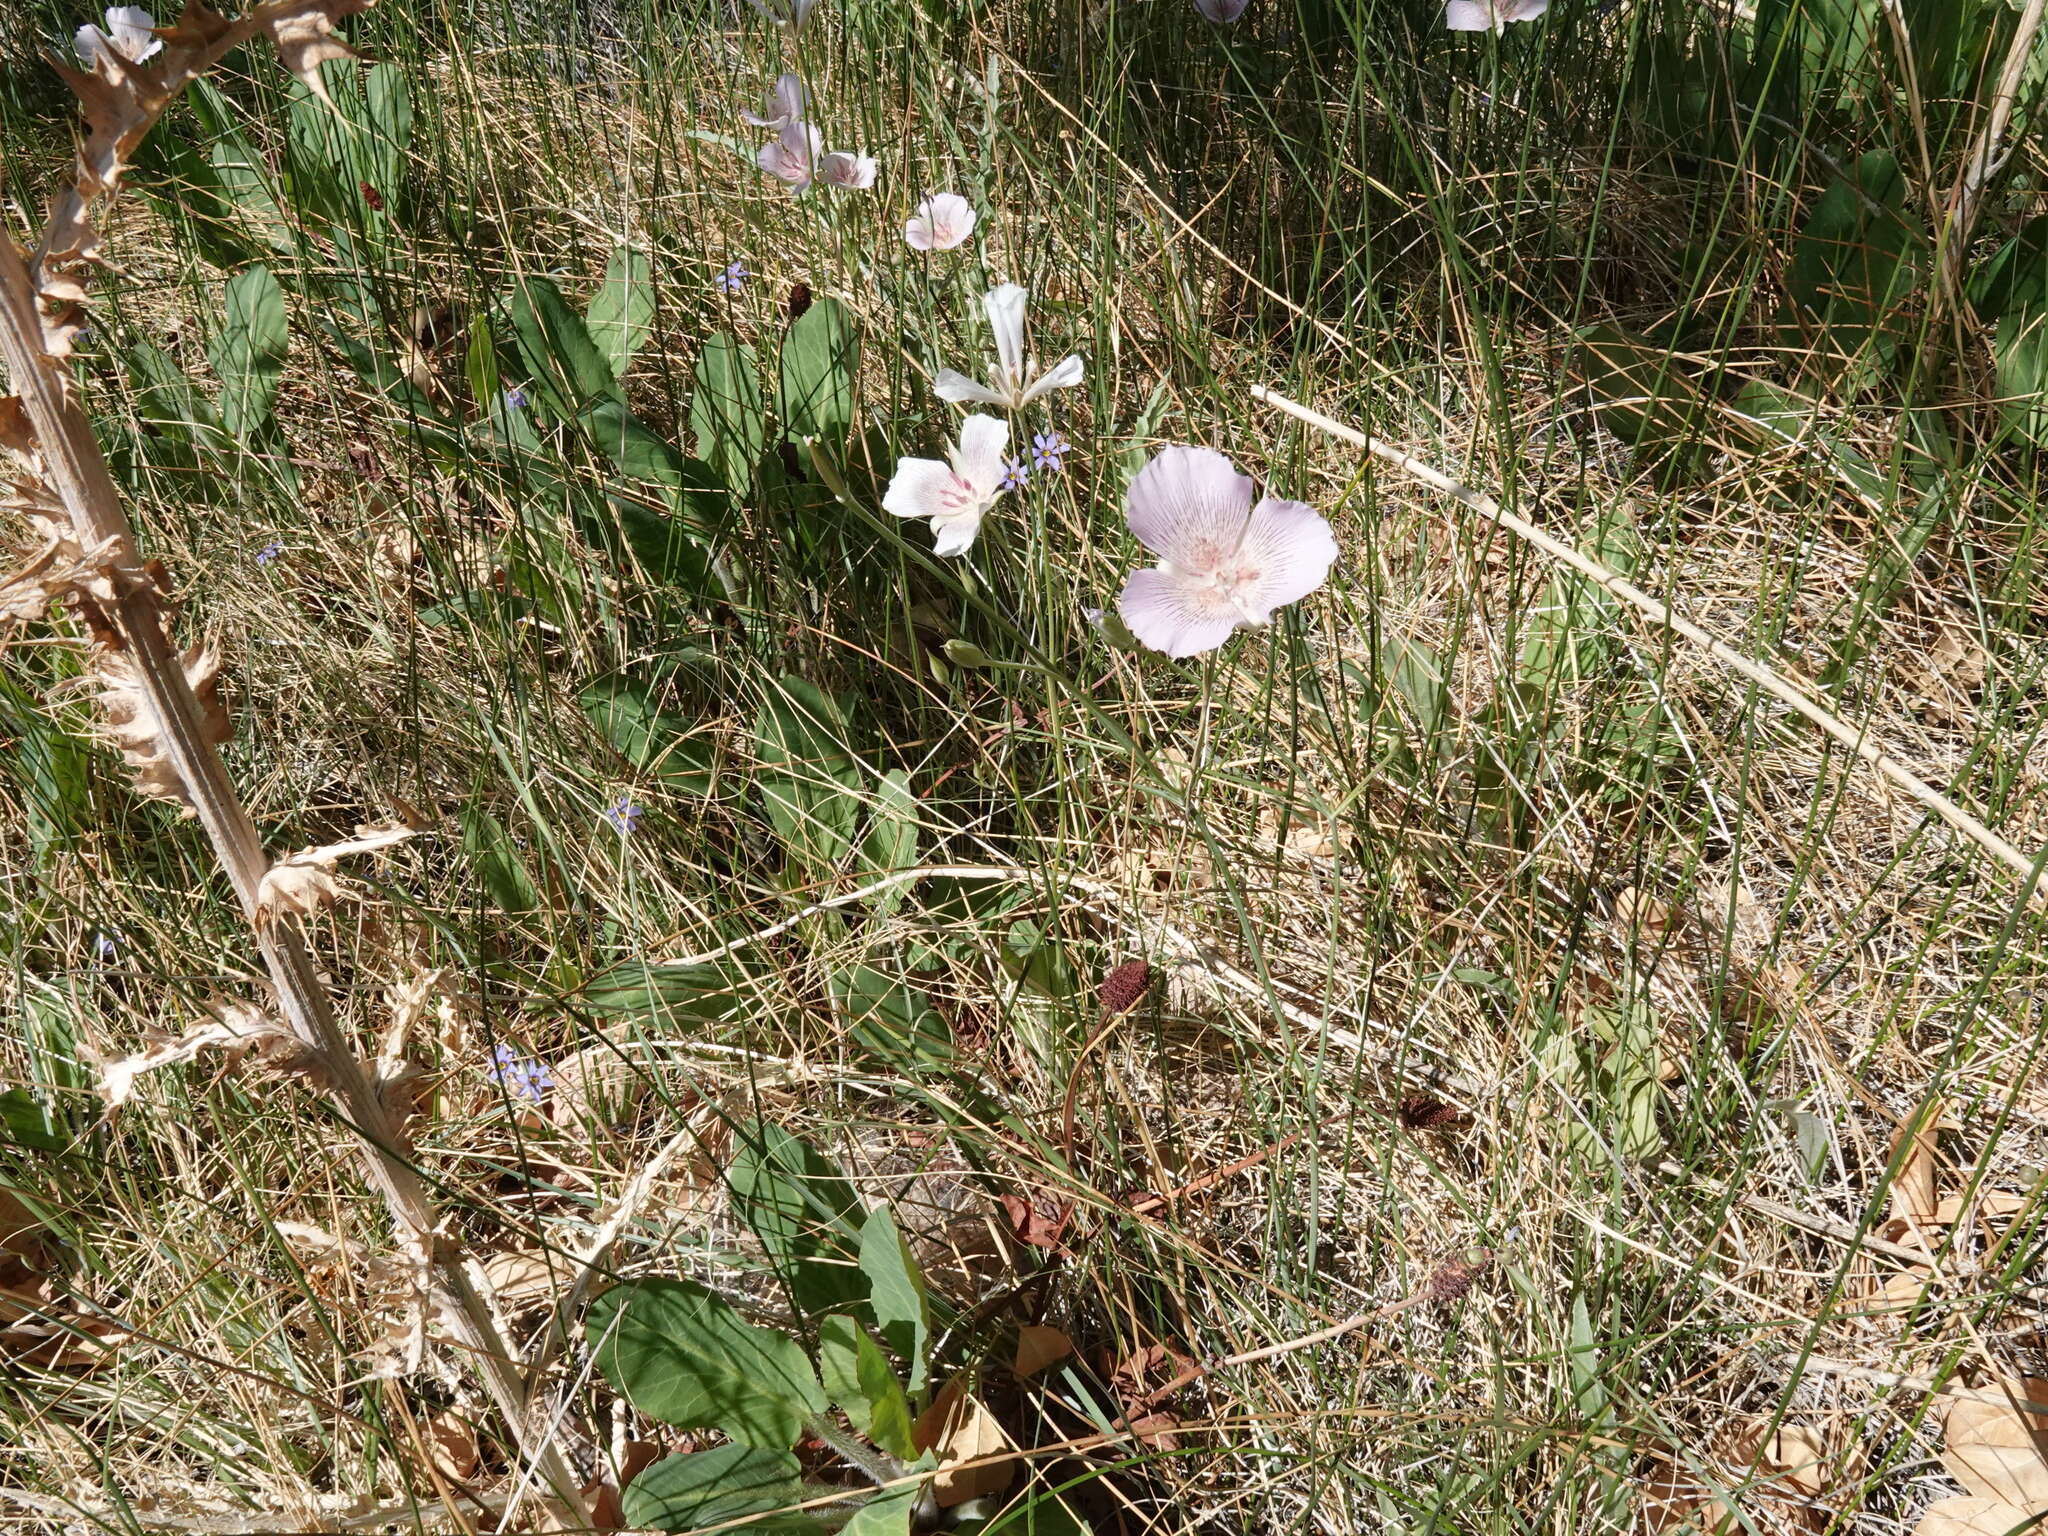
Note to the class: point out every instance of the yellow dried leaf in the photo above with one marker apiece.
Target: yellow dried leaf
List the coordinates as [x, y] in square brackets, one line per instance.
[132, 722]
[1038, 1347]
[59, 568]
[1995, 1450]
[524, 1276]
[1913, 1196]
[302, 884]
[961, 1430]
[1972, 1517]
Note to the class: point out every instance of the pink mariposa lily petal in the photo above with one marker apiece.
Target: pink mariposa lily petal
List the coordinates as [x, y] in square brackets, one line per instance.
[1224, 563]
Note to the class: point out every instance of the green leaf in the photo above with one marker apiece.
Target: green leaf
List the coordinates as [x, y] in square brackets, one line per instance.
[858, 1378]
[249, 354]
[25, 1122]
[668, 993]
[564, 362]
[647, 736]
[805, 1213]
[1046, 1515]
[682, 1355]
[727, 419]
[811, 786]
[496, 860]
[1852, 266]
[687, 1493]
[1643, 394]
[820, 360]
[886, 1514]
[890, 843]
[622, 313]
[893, 1021]
[1569, 634]
[896, 1292]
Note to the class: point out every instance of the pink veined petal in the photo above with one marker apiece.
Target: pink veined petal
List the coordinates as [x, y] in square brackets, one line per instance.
[958, 389]
[1291, 547]
[918, 232]
[786, 101]
[952, 219]
[1005, 308]
[919, 489]
[87, 41]
[1469, 16]
[843, 168]
[979, 458]
[955, 536]
[1169, 613]
[1064, 374]
[1188, 506]
[791, 155]
[1526, 10]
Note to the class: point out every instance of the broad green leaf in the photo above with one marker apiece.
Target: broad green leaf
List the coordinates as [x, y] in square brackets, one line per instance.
[890, 842]
[622, 312]
[689, 1492]
[26, 1123]
[491, 851]
[1568, 634]
[893, 1021]
[896, 1292]
[860, 1380]
[647, 736]
[1854, 263]
[1045, 1515]
[1781, 416]
[249, 353]
[682, 1355]
[564, 362]
[811, 785]
[801, 726]
[669, 993]
[820, 360]
[804, 1212]
[727, 418]
[887, 1514]
[1644, 393]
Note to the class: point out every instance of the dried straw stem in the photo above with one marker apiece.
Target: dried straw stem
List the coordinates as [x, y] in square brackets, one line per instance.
[1779, 687]
[77, 472]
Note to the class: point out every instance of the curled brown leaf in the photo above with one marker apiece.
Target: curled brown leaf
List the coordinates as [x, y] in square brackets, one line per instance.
[132, 723]
[302, 884]
[240, 1030]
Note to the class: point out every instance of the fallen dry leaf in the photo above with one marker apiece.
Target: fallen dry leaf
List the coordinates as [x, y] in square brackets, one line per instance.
[1037, 1223]
[1970, 1517]
[451, 1445]
[524, 1276]
[1996, 1450]
[239, 1029]
[1913, 1196]
[1038, 1347]
[961, 1429]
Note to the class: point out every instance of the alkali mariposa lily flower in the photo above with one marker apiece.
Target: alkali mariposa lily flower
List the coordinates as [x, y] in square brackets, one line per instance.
[1222, 12]
[130, 35]
[1491, 15]
[792, 155]
[1224, 563]
[944, 220]
[847, 169]
[787, 99]
[790, 15]
[1012, 385]
[954, 494]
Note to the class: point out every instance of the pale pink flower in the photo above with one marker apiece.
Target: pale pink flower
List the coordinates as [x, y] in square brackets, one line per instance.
[787, 99]
[130, 36]
[846, 169]
[954, 495]
[1012, 385]
[1491, 15]
[1222, 12]
[1224, 563]
[792, 155]
[790, 15]
[944, 220]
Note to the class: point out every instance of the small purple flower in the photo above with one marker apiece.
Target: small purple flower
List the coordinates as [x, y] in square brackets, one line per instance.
[520, 1076]
[269, 552]
[515, 399]
[1046, 448]
[733, 278]
[1014, 474]
[624, 816]
[107, 942]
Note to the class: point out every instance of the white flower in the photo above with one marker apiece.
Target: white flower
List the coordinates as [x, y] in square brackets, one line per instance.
[955, 495]
[944, 220]
[792, 155]
[130, 36]
[1223, 563]
[787, 99]
[1008, 386]
[1491, 15]
[787, 14]
[1222, 12]
[853, 171]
